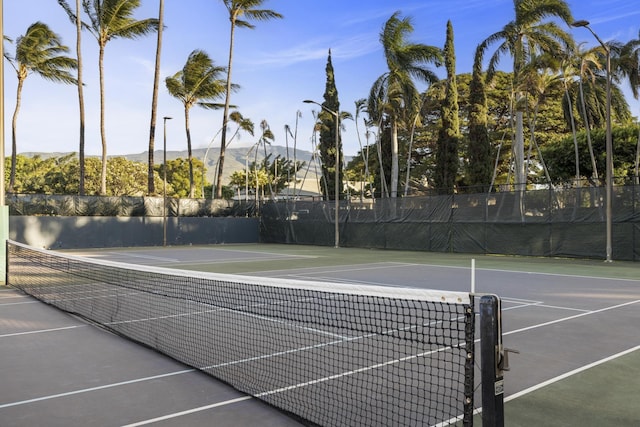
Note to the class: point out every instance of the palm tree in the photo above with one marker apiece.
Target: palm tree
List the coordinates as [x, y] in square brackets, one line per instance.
[39, 51]
[111, 19]
[625, 62]
[242, 124]
[526, 35]
[197, 82]
[588, 66]
[78, 25]
[246, 9]
[154, 101]
[394, 94]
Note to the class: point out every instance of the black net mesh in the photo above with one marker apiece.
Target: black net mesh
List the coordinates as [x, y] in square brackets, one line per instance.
[334, 355]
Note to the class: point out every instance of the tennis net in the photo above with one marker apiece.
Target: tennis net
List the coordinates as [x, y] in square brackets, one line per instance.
[330, 354]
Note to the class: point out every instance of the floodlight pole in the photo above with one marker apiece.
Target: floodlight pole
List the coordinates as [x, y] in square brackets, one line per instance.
[337, 172]
[608, 143]
[164, 184]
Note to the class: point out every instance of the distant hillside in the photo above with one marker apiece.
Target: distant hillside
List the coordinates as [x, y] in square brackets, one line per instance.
[235, 159]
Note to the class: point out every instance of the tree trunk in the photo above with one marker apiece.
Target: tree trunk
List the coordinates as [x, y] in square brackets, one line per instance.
[588, 131]
[520, 177]
[225, 117]
[22, 75]
[189, 153]
[394, 158]
[80, 99]
[103, 136]
[154, 102]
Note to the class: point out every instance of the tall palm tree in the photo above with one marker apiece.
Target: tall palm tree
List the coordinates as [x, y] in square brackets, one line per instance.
[197, 82]
[81, 143]
[244, 124]
[108, 20]
[527, 34]
[241, 12]
[588, 66]
[154, 101]
[81, 150]
[394, 94]
[38, 51]
[625, 62]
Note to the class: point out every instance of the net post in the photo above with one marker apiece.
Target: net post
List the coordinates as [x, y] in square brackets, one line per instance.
[491, 355]
[469, 385]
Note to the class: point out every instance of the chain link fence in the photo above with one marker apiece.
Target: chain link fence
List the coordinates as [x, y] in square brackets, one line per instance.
[568, 222]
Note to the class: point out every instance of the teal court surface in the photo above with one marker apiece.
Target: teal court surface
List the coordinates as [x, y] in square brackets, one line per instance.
[573, 322]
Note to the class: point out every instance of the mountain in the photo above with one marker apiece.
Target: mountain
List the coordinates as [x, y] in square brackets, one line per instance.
[235, 160]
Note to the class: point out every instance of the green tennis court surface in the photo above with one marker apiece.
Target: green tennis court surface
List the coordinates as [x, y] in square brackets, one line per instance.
[571, 320]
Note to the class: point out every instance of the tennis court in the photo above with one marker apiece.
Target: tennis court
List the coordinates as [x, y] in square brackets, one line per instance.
[574, 323]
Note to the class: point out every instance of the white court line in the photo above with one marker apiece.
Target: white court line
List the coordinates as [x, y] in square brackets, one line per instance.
[189, 411]
[40, 331]
[18, 303]
[13, 296]
[291, 387]
[330, 269]
[576, 316]
[564, 308]
[134, 255]
[571, 373]
[229, 260]
[241, 251]
[577, 276]
[102, 387]
[560, 377]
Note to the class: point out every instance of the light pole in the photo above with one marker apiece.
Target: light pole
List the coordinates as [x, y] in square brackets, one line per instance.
[164, 185]
[337, 173]
[608, 142]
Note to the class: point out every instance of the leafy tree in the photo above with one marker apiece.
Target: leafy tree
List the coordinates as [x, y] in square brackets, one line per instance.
[178, 177]
[449, 135]
[479, 167]
[241, 12]
[60, 175]
[394, 94]
[39, 51]
[31, 172]
[281, 173]
[256, 179]
[108, 20]
[558, 154]
[273, 176]
[329, 152]
[198, 81]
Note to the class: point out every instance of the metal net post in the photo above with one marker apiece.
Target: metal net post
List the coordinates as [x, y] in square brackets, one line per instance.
[491, 361]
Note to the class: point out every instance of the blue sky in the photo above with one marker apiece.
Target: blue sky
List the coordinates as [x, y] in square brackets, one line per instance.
[278, 64]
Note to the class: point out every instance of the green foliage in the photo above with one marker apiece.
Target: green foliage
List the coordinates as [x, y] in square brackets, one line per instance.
[449, 134]
[559, 154]
[178, 177]
[479, 166]
[39, 51]
[328, 130]
[270, 177]
[60, 175]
